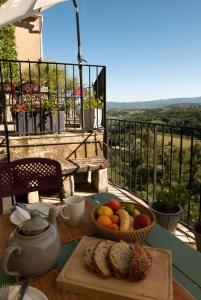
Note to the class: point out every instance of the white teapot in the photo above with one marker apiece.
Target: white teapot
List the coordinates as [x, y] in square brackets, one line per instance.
[33, 247]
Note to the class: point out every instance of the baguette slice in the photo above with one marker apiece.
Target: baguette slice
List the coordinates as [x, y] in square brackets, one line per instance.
[88, 258]
[100, 258]
[141, 263]
[120, 258]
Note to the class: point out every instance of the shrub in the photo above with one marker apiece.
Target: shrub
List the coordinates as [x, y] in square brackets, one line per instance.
[168, 200]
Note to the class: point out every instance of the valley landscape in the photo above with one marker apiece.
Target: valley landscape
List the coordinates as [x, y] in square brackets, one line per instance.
[176, 112]
[156, 144]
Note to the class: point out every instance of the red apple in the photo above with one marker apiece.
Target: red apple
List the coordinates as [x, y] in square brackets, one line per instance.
[114, 204]
[141, 221]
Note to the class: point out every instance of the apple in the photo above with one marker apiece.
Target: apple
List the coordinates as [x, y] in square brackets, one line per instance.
[141, 221]
[114, 204]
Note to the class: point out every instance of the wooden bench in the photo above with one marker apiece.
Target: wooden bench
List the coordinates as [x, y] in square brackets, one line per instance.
[73, 167]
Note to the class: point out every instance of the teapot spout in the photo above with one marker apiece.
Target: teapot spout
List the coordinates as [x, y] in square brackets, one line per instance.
[52, 218]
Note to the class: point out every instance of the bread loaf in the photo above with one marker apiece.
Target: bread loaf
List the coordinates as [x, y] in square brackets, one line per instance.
[120, 259]
[100, 258]
[140, 264]
[88, 258]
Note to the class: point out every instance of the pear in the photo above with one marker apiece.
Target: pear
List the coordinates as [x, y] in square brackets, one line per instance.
[136, 212]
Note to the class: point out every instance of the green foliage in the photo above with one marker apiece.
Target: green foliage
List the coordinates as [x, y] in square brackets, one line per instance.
[90, 100]
[49, 76]
[131, 155]
[49, 106]
[178, 115]
[168, 200]
[8, 50]
[67, 105]
[34, 103]
[57, 81]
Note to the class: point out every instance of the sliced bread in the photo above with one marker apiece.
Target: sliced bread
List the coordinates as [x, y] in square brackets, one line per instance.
[100, 258]
[140, 264]
[88, 258]
[120, 258]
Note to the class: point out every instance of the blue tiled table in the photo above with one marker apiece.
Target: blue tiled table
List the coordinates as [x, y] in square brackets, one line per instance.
[186, 261]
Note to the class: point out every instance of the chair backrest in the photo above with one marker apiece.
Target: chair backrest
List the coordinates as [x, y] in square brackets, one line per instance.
[30, 174]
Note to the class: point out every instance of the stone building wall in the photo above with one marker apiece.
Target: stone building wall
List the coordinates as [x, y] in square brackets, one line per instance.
[56, 146]
[28, 40]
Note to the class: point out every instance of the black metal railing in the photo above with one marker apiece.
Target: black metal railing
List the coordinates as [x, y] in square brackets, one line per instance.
[145, 156]
[47, 97]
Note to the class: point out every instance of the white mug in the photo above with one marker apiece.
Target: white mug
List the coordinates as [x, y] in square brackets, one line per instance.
[72, 211]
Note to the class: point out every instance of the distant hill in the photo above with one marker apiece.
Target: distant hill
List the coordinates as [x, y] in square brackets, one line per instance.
[153, 103]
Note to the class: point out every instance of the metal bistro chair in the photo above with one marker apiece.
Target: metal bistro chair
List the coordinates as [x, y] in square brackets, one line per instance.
[30, 174]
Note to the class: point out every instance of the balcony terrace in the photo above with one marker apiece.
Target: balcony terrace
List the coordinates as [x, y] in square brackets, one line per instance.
[45, 107]
[44, 98]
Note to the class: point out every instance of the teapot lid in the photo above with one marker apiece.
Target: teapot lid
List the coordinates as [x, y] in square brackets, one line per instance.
[35, 225]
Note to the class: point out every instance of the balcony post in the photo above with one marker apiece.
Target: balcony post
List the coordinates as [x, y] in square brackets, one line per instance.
[155, 163]
[3, 106]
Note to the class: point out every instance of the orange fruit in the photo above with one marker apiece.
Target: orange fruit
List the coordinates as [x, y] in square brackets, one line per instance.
[104, 220]
[115, 219]
[113, 226]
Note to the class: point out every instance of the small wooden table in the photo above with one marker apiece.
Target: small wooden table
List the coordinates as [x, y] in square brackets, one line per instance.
[186, 261]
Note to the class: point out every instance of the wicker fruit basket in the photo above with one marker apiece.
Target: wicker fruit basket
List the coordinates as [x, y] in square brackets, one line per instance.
[129, 236]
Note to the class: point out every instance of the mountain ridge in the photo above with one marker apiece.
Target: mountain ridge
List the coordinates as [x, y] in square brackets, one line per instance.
[153, 103]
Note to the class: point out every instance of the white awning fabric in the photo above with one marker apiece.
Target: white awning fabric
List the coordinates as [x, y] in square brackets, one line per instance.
[17, 10]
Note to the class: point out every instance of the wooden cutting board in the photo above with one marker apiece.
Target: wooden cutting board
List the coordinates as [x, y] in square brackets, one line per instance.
[157, 285]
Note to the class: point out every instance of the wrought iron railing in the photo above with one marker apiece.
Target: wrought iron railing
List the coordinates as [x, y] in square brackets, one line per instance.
[145, 156]
[46, 97]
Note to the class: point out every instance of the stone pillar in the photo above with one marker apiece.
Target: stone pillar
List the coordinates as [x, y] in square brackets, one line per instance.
[69, 185]
[33, 197]
[99, 180]
[7, 204]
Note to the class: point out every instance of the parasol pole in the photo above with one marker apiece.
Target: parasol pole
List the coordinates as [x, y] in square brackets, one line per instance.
[80, 60]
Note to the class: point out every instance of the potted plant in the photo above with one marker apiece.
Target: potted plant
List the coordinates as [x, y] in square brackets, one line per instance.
[37, 113]
[92, 110]
[168, 206]
[53, 116]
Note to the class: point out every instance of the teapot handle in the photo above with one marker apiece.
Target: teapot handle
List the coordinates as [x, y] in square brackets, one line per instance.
[8, 252]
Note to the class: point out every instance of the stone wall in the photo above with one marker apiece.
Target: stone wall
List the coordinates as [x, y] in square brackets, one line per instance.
[56, 146]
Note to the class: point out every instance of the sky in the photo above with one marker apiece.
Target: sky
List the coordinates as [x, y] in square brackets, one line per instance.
[151, 48]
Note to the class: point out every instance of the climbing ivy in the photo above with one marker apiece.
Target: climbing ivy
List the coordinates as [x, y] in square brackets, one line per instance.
[8, 50]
